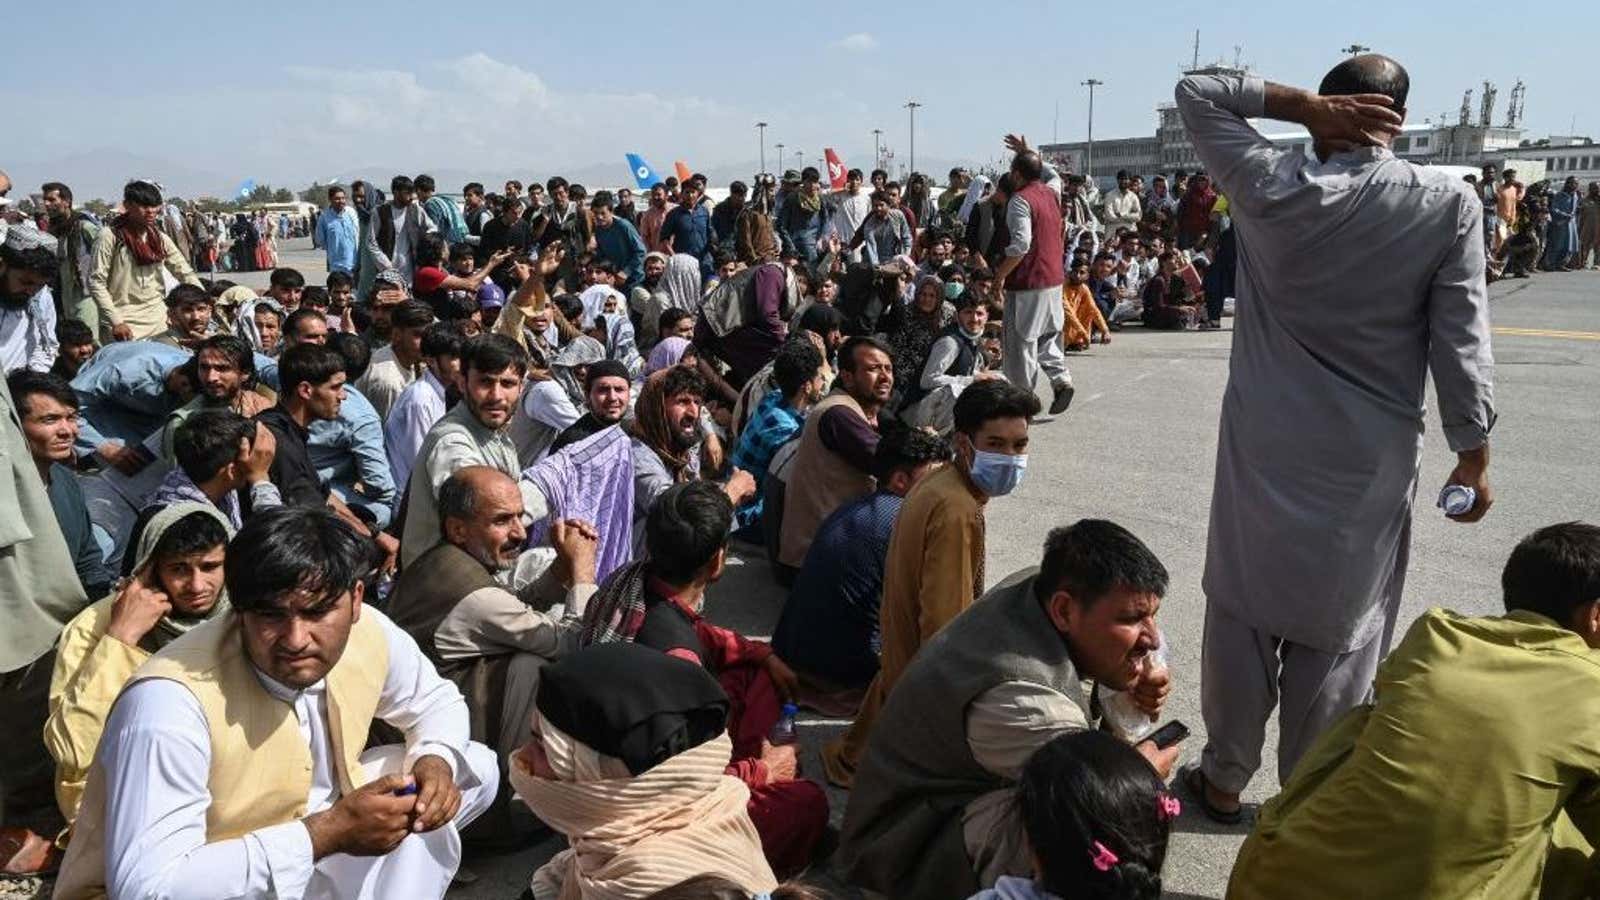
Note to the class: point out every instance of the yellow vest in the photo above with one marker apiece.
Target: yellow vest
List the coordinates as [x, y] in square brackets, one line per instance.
[260, 766]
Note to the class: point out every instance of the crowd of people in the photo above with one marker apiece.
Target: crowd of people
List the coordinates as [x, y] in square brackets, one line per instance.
[311, 591]
[1538, 228]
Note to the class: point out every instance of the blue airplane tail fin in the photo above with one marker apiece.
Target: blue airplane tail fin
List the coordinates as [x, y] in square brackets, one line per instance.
[643, 175]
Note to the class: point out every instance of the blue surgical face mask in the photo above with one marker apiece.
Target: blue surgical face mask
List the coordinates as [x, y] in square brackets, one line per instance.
[997, 474]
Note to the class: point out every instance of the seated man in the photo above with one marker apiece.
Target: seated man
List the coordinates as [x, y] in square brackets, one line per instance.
[493, 367]
[348, 450]
[311, 389]
[614, 724]
[666, 439]
[49, 412]
[933, 812]
[232, 764]
[188, 317]
[223, 371]
[456, 602]
[608, 393]
[833, 463]
[955, 361]
[222, 459]
[1502, 710]
[658, 602]
[797, 369]
[933, 568]
[553, 400]
[124, 395]
[75, 347]
[425, 400]
[399, 362]
[829, 628]
[177, 582]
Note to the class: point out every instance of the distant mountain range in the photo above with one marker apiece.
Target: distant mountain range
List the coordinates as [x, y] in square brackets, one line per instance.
[102, 173]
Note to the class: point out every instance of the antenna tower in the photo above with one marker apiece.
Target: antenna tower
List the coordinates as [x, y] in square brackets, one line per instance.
[1519, 93]
[1466, 107]
[1489, 93]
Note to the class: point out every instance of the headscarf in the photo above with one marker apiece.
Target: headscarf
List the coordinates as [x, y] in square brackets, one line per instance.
[651, 427]
[594, 303]
[143, 241]
[666, 354]
[681, 283]
[168, 628]
[246, 322]
[637, 741]
[976, 191]
[583, 351]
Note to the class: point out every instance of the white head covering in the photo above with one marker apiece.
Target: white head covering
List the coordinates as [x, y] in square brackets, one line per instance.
[977, 190]
[27, 236]
[681, 282]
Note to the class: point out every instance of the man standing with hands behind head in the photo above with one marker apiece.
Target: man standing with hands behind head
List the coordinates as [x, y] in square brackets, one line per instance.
[1028, 280]
[1311, 524]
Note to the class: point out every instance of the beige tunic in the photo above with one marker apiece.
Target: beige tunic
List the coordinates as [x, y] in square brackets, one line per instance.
[131, 294]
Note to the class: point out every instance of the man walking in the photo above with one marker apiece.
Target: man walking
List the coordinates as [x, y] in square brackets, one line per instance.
[77, 232]
[1028, 280]
[1310, 524]
[339, 232]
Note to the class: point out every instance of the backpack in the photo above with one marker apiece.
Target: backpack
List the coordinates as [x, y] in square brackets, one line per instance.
[731, 304]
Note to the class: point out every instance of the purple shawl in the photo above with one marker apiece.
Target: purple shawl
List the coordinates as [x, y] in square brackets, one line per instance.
[591, 480]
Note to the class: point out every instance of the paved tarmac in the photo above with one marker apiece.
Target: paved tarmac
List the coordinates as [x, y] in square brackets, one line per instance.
[1138, 447]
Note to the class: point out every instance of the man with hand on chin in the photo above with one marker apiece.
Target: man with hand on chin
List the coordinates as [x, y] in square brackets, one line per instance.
[933, 812]
[942, 519]
[232, 764]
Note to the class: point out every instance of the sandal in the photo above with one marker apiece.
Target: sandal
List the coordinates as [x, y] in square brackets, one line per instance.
[1194, 781]
[25, 854]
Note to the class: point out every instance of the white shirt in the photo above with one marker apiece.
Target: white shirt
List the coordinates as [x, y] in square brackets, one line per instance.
[28, 335]
[385, 379]
[402, 241]
[850, 210]
[545, 412]
[156, 753]
[419, 406]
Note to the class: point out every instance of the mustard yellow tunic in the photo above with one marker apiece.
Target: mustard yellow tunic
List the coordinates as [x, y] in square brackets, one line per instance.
[1483, 741]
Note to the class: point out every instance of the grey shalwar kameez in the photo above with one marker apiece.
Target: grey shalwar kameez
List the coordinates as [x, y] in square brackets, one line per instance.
[1356, 277]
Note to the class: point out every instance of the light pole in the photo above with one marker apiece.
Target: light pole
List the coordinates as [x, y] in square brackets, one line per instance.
[1089, 165]
[912, 105]
[762, 127]
[1355, 49]
[877, 152]
[780, 157]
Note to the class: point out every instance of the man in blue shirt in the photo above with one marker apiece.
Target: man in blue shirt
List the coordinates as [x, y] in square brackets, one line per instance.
[616, 239]
[339, 232]
[797, 372]
[687, 228]
[829, 629]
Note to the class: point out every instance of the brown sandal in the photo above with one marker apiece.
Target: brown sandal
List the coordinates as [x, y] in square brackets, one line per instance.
[24, 854]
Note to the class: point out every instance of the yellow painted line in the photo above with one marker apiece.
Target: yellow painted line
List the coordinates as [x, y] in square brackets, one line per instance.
[1550, 333]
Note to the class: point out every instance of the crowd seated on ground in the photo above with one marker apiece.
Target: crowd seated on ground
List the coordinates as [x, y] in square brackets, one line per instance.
[472, 493]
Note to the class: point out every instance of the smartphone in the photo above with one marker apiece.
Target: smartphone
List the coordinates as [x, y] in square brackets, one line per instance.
[1168, 734]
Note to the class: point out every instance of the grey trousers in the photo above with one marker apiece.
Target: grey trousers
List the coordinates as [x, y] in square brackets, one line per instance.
[1030, 337]
[1244, 673]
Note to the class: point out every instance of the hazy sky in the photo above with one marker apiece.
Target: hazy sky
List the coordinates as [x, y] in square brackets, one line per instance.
[292, 91]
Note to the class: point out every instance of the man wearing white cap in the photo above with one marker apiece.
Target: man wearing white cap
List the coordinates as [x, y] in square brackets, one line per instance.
[27, 310]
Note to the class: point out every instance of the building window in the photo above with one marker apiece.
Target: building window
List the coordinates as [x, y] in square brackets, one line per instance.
[1422, 141]
[1402, 144]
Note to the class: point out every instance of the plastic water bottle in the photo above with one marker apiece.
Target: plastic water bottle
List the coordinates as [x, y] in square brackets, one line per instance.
[783, 731]
[1124, 716]
[1457, 499]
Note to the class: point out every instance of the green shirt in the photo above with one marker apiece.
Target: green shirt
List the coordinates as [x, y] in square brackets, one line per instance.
[1483, 731]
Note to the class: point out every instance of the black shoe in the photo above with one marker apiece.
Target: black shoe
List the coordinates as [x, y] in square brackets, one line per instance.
[1063, 398]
